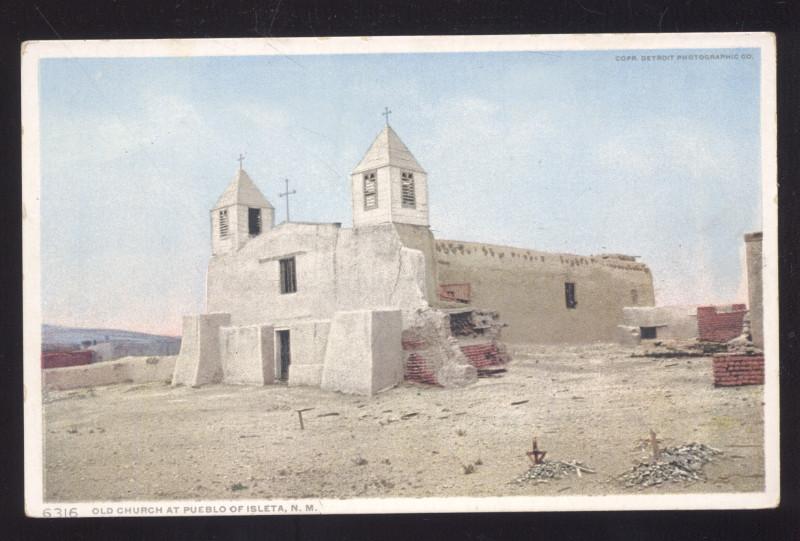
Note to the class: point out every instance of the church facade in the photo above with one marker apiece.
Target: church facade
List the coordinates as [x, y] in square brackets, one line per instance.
[359, 309]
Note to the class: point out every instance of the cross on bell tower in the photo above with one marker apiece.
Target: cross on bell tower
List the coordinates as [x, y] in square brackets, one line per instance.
[386, 112]
[286, 194]
[240, 159]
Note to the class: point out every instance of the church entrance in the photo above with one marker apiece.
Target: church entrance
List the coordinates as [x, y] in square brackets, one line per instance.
[284, 355]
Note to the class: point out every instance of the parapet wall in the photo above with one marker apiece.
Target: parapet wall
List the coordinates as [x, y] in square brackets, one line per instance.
[498, 255]
[527, 289]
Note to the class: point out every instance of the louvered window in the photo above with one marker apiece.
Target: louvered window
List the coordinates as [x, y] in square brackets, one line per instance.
[223, 223]
[370, 191]
[254, 221]
[407, 193]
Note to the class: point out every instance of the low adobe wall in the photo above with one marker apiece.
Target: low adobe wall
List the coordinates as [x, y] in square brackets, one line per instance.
[125, 370]
[735, 370]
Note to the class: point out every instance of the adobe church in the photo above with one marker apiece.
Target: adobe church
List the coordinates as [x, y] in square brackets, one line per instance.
[360, 309]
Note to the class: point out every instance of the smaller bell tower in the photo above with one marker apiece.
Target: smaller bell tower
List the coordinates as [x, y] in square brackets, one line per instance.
[388, 184]
[241, 213]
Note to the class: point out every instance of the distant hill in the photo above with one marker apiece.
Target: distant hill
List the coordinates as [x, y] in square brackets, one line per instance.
[58, 337]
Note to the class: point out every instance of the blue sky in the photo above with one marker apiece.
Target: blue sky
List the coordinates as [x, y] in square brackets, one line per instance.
[561, 151]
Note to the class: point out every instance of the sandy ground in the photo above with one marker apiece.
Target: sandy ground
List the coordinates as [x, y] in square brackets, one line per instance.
[591, 404]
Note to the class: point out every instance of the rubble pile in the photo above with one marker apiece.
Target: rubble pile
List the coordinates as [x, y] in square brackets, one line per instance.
[552, 469]
[674, 348]
[675, 464]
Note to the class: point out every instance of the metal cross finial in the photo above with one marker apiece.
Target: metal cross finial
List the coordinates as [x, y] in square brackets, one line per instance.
[386, 112]
[286, 194]
[240, 159]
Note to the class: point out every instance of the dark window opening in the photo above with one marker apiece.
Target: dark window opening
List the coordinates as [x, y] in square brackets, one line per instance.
[407, 194]
[462, 325]
[223, 223]
[370, 191]
[569, 294]
[288, 278]
[284, 355]
[254, 221]
[648, 333]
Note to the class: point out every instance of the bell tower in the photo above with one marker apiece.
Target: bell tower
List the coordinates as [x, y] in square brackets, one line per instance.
[388, 184]
[241, 213]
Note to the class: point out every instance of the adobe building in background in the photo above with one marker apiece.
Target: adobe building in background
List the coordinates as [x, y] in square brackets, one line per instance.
[358, 309]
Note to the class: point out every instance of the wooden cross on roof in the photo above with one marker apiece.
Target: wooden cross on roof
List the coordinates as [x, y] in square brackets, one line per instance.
[386, 112]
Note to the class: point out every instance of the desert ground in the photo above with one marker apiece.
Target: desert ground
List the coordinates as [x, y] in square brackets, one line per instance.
[593, 404]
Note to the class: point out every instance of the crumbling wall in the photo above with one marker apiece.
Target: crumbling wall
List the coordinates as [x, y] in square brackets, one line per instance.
[433, 355]
[720, 323]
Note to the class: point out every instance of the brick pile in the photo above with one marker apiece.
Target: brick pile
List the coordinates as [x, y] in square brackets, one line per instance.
[736, 370]
[715, 324]
[60, 359]
[417, 369]
[484, 355]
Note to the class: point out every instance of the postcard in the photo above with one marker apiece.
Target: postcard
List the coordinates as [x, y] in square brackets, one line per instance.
[400, 274]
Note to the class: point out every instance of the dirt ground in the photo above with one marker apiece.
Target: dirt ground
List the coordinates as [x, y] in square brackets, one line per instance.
[592, 404]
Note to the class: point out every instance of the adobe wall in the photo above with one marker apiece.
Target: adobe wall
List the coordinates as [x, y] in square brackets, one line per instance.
[308, 342]
[246, 284]
[755, 293]
[126, 370]
[363, 354]
[337, 269]
[199, 361]
[374, 269]
[526, 287]
[421, 238]
[246, 354]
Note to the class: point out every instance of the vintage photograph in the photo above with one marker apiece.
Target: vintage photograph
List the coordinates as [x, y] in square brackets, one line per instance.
[411, 274]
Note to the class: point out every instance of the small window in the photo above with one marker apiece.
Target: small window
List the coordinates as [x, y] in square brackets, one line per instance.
[634, 297]
[370, 191]
[569, 293]
[648, 333]
[288, 278]
[254, 221]
[407, 194]
[223, 223]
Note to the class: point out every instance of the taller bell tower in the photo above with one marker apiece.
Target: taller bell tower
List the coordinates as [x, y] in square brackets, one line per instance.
[389, 185]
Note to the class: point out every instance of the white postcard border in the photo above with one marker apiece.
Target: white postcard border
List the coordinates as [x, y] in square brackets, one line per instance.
[34, 51]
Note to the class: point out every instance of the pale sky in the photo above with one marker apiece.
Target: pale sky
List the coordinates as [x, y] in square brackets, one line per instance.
[563, 151]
